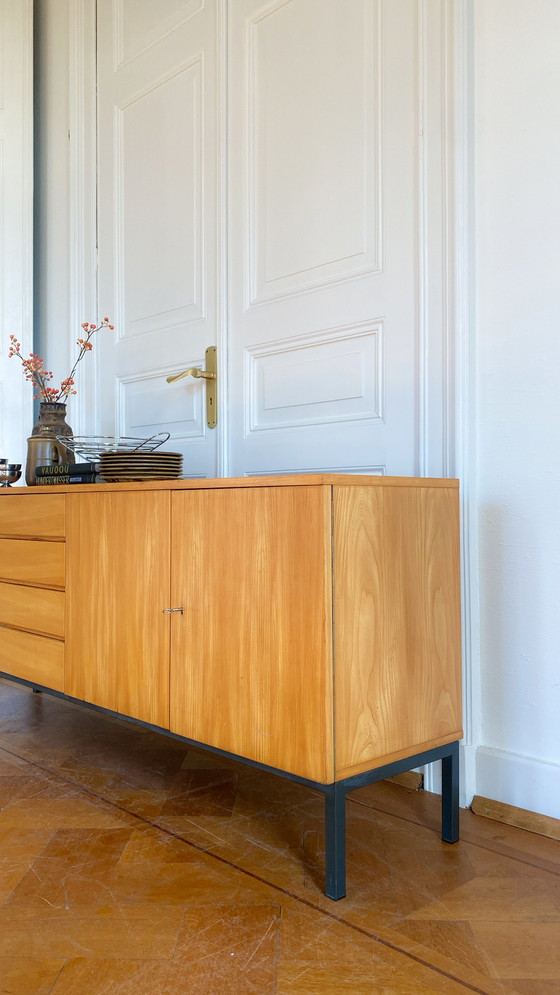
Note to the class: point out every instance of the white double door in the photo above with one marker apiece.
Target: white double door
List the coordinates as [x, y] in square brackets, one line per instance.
[269, 184]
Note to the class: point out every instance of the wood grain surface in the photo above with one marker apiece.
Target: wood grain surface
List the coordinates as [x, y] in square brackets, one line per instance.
[512, 815]
[32, 608]
[32, 561]
[397, 623]
[213, 483]
[29, 514]
[33, 658]
[251, 659]
[118, 586]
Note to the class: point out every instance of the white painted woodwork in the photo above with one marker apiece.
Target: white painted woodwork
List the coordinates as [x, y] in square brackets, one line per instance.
[335, 351]
[16, 186]
[332, 377]
[158, 189]
[65, 195]
[323, 236]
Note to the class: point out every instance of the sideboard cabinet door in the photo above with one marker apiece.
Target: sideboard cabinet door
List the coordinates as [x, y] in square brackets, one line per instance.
[117, 645]
[251, 659]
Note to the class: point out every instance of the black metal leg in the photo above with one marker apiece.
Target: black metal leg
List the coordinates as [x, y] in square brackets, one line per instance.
[335, 841]
[450, 795]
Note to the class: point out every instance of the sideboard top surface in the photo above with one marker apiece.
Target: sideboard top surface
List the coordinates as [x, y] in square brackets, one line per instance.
[288, 480]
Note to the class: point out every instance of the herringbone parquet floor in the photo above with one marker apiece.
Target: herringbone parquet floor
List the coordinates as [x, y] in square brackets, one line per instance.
[130, 863]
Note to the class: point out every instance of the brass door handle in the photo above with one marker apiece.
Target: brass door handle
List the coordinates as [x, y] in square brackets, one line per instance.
[192, 371]
[210, 374]
[169, 611]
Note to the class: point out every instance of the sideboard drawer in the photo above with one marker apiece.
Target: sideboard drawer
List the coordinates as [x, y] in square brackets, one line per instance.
[33, 658]
[33, 515]
[32, 561]
[32, 608]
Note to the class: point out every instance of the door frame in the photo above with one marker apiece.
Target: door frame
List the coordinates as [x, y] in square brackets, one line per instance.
[17, 216]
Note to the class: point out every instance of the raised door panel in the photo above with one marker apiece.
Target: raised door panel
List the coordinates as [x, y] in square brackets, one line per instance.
[398, 622]
[251, 668]
[117, 589]
[159, 189]
[324, 185]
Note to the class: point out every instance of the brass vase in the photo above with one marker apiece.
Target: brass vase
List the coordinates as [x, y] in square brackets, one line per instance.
[43, 447]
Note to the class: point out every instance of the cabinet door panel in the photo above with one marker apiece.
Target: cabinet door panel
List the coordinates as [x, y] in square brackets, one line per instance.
[117, 646]
[251, 658]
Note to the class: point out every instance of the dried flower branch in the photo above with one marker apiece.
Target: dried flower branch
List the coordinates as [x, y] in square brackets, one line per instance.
[34, 371]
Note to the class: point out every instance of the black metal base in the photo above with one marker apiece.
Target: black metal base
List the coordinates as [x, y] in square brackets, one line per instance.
[335, 794]
[335, 807]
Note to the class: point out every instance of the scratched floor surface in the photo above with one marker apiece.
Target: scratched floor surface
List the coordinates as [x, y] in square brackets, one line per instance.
[130, 863]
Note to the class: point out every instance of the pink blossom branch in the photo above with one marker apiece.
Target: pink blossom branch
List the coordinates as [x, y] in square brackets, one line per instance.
[39, 377]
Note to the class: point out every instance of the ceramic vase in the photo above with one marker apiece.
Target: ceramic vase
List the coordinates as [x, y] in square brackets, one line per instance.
[43, 447]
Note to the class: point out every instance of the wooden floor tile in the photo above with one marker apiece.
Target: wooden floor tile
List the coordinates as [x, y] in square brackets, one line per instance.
[107, 931]
[28, 976]
[117, 976]
[530, 987]
[75, 868]
[493, 899]
[68, 813]
[453, 940]
[130, 862]
[202, 792]
[177, 883]
[230, 949]
[521, 950]
[303, 979]
[18, 852]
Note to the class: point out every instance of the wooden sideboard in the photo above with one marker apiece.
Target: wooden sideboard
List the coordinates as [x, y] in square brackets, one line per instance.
[307, 624]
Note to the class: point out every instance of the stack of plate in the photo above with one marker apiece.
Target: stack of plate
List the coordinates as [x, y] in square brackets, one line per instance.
[140, 465]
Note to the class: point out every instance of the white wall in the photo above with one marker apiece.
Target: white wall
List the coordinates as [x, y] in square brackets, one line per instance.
[517, 212]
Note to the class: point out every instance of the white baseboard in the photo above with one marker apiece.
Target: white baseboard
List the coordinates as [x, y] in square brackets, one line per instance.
[524, 782]
[467, 782]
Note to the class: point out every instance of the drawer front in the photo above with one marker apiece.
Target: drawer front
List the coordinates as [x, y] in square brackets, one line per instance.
[34, 658]
[32, 608]
[31, 561]
[33, 515]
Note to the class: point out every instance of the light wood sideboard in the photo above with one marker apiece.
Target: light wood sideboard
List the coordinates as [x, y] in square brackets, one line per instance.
[306, 624]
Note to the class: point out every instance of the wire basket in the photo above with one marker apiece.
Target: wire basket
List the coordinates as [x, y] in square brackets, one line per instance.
[92, 447]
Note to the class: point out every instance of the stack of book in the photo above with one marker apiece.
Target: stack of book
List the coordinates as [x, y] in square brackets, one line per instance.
[66, 473]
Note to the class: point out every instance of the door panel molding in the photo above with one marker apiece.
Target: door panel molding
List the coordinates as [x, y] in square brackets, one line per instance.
[314, 379]
[332, 150]
[82, 202]
[139, 217]
[148, 404]
[146, 36]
